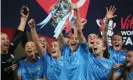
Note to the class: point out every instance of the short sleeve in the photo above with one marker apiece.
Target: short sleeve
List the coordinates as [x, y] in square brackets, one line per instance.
[64, 49]
[84, 46]
[44, 71]
[19, 71]
[46, 56]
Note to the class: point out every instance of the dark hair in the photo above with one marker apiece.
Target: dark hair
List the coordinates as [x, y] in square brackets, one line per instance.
[95, 34]
[44, 37]
[124, 70]
[117, 33]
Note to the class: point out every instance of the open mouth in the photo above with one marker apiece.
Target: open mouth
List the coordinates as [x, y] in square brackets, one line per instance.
[127, 62]
[6, 45]
[43, 46]
[53, 51]
[91, 42]
[95, 49]
[29, 51]
[117, 45]
[73, 44]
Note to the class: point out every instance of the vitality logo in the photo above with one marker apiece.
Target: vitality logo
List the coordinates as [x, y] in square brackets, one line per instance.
[127, 29]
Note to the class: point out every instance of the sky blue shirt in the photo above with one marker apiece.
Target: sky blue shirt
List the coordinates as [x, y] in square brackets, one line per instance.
[98, 69]
[53, 67]
[117, 56]
[130, 76]
[75, 63]
[30, 71]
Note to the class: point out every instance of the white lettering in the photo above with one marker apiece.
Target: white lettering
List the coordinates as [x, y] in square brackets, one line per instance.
[128, 41]
[129, 33]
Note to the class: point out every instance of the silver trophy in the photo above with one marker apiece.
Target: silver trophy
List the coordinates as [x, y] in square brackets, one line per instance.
[61, 12]
[61, 9]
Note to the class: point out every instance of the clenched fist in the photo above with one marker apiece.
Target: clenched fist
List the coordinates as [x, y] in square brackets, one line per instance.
[31, 23]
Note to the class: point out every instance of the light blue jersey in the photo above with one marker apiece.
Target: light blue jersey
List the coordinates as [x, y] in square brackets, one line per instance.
[117, 56]
[53, 67]
[98, 69]
[75, 63]
[130, 76]
[30, 71]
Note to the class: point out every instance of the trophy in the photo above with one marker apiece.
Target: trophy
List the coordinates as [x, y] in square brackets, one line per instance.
[60, 14]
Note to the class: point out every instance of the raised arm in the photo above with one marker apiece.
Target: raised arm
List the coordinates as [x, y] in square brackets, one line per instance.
[79, 25]
[19, 33]
[83, 22]
[109, 15]
[35, 37]
[23, 19]
[60, 41]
